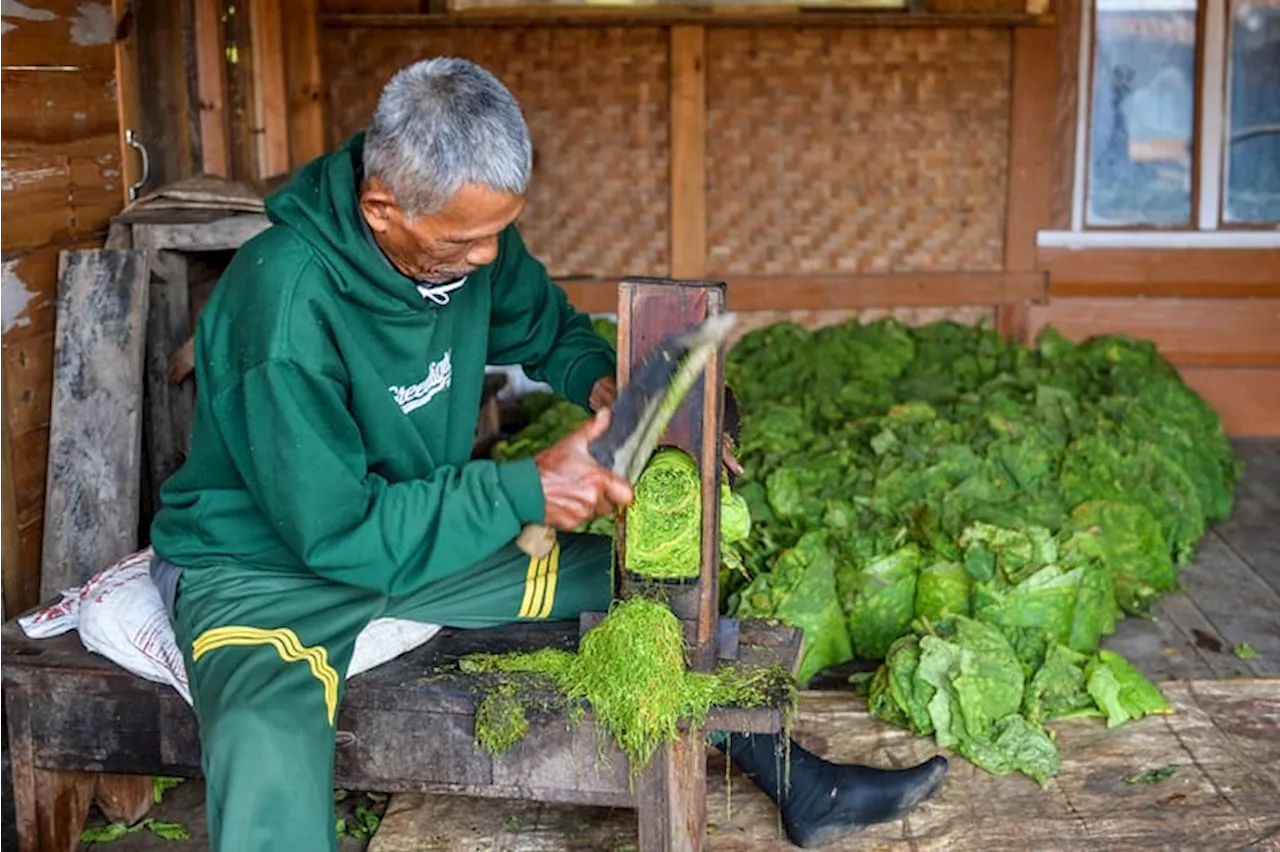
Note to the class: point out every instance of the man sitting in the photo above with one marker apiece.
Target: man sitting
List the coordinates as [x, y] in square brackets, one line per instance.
[339, 367]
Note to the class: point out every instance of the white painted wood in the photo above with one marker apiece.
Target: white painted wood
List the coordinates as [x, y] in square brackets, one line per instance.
[1213, 106]
[1160, 239]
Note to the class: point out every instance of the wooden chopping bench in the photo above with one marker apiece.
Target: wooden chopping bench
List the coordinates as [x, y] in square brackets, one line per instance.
[80, 725]
[82, 729]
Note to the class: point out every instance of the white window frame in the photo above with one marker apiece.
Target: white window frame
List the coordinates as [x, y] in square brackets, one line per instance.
[1213, 106]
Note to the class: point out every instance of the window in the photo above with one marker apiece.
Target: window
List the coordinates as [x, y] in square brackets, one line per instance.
[1179, 124]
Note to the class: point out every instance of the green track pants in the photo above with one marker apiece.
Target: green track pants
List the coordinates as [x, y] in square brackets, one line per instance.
[267, 655]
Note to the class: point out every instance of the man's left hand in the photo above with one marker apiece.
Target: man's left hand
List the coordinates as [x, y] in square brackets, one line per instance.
[605, 391]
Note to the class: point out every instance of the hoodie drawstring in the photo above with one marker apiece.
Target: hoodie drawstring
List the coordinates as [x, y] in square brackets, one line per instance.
[440, 294]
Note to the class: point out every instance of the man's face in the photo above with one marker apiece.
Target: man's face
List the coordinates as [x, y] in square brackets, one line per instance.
[446, 245]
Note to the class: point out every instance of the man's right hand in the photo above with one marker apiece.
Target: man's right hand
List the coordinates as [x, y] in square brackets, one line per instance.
[575, 488]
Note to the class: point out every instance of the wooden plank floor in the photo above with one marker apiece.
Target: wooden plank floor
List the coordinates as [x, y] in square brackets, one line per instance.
[1231, 594]
[1224, 740]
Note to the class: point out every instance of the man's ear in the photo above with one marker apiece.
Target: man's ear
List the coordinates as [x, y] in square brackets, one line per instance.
[378, 205]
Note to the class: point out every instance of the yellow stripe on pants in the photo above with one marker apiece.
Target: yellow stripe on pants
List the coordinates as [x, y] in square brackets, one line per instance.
[540, 585]
[287, 645]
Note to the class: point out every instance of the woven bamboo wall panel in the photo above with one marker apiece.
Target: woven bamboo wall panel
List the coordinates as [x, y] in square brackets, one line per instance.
[856, 150]
[596, 103]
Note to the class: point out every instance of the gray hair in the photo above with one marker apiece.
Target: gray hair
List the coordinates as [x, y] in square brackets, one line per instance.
[442, 124]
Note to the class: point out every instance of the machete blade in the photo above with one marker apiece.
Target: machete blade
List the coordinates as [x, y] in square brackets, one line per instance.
[653, 392]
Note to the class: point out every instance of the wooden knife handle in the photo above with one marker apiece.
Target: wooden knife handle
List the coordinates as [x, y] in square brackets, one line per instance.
[536, 540]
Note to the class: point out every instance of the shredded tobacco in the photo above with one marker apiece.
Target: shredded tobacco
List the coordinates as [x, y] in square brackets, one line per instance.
[664, 524]
[630, 669]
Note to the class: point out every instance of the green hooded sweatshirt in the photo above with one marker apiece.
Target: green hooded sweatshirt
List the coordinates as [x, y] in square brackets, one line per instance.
[337, 404]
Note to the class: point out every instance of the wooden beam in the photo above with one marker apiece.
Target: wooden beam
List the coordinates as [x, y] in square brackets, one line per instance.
[1035, 79]
[307, 126]
[688, 63]
[1161, 272]
[128, 95]
[744, 16]
[226, 234]
[1188, 332]
[171, 406]
[1030, 178]
[211, 89]
[843, 292]
[167, 113]
[55, 113]
[270, 95]
[1065, 118]
[11, 568]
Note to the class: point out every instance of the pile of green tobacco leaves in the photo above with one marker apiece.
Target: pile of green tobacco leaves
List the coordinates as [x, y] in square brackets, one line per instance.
[975, 512]
[981, 512]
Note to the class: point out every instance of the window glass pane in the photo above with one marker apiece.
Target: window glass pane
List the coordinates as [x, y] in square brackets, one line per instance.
[1143, 113]
[1253, 132]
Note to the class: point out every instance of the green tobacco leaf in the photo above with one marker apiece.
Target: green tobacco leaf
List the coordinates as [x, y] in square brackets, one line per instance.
[1015, 745]
[105, 833]
[884, 602]
[168, 830]
[1127, 541]
[942, 590]
[1057, 690]
[990, 682]
[1121, 691]
[161, 784]
[800, 591]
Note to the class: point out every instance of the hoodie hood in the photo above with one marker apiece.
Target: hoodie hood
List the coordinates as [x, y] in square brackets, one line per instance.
[321, 203]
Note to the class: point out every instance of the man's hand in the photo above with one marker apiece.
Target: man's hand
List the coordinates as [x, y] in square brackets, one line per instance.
[603, 393]
[576, 489]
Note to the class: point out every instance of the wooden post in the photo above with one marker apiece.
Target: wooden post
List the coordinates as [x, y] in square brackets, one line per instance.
[270, 95]
[671, 792]
[688, 152]
[1029, 207]
[648, 310]
[171, 406]
[307, 127]
[128, 103]
[10, 568]
[211, 88]
[671, 797]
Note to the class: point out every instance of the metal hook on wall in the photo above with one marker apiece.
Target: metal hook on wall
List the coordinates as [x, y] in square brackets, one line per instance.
[132, 140]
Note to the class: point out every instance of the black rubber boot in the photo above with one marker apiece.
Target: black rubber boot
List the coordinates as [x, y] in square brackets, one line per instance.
[826, 801]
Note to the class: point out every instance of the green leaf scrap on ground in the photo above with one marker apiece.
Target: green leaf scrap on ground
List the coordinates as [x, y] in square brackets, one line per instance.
[117, 830]
[1245, 651]
[361, 824]
[1154, 776]
[160, 784]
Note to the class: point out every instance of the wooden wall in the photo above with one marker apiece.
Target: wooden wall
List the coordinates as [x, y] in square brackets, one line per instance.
[62, 182]
[825, 172]
[831, 171]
